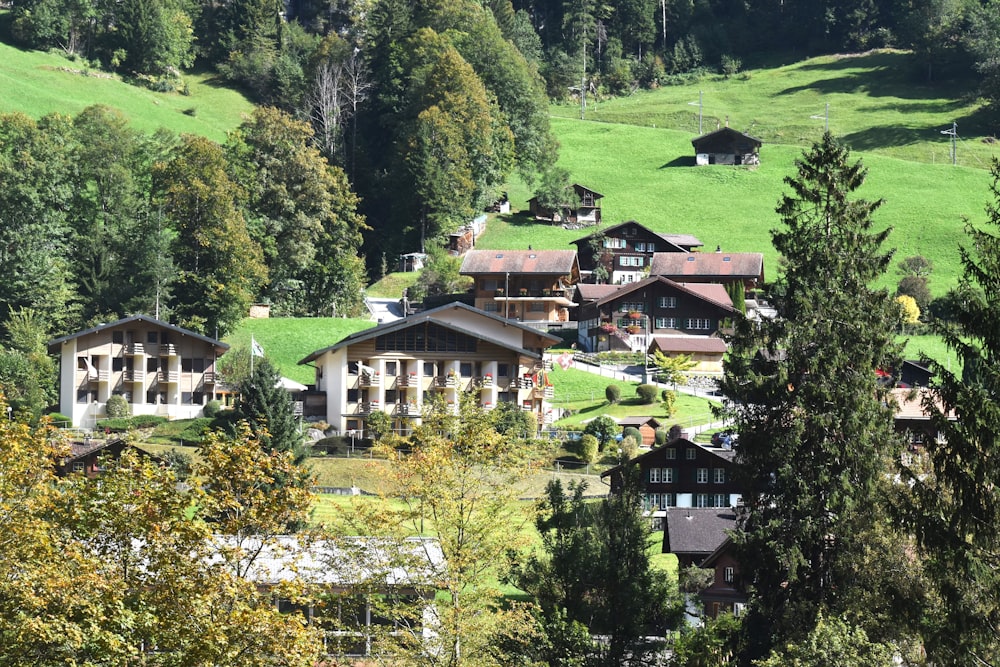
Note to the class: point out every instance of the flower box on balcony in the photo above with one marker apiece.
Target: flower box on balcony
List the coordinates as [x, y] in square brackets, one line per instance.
[499, 292]
[523, 292]
[634, 314]
[608, 328]
[634, 329]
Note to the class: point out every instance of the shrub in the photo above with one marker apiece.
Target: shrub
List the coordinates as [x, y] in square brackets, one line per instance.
[212, 409]
[179, 462]
[629, 448]
[60, 420]
[195, 431]
[588, 448]
[613, 393]
[148, 421]
[603, 428]
[117, 407]
[119, 425]
[647, 393]
[633, 432]
[669, 398]
[331, 445]
[675, 432]
[660, 437]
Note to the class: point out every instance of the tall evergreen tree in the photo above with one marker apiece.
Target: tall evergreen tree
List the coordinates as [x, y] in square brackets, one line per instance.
[955, 501]
[267, 408]
[815, 430]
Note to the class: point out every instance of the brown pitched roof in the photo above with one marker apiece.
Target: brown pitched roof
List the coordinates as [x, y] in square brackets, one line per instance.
[719, 296]
[558, 262]
[639, 421]
[708, 264]
[689, 530]
[688, 344]
[590, 292]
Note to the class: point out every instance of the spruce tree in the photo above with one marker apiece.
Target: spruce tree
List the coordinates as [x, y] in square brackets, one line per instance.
[267, 409]
[955, 501]
[815, 432]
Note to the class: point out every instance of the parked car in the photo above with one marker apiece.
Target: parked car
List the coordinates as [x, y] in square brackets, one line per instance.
[725, 439]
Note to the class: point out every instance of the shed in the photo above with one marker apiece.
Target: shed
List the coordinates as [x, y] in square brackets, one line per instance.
[647, 427]
[726, 146]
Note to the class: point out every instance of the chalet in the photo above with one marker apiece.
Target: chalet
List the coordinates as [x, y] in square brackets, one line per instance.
[631, 317]
[693, 534]
[726, 146]
[585, 210]
[448, 351]
[706, 352]
[524, 285]
[711, 267]
[85, 456]
[727, 591]
[647, 427]
[159, 368]
[682, 474]
[623, 253]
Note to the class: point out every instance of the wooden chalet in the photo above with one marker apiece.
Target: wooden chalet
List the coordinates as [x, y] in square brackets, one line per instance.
[625, 251]
[526, 285]
[85, 456]
[632, 316]
[727, 592]
[726, 146]
[585, 210]
[711, 267]
[693, 534]
[647, 427]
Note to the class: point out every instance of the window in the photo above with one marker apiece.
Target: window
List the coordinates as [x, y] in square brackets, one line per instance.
[667, 302]
[640, 247]
[671, 453]
[489, 285]
[720, 500]
[654, 475]
[429, 368]
[614, 243]
[118, 337]
[352, 395]
[491, 307]
[186, 397]
[698, 324]
[728, 574]
[352, 424]
[668, 475]
[668, 500]
[630, 261]
[651, 501]
[152, 364]
[719, 475]
[665, 323]
[627, 307]
[536, 307]
[84, 396]
[702, 476]
[198, 365]
[186, 365]
[391, 396]
[391, 367]
[117, 364]
[691, 453]
[151, 337]
[465, 369]
[77, 466]
[701, 500]
[738, 608]
[502, 370]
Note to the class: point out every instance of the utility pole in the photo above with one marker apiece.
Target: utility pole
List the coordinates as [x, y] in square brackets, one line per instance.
[953, 133]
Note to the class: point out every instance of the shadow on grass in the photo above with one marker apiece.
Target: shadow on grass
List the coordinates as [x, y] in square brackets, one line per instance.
[680, 161]
[521, 219]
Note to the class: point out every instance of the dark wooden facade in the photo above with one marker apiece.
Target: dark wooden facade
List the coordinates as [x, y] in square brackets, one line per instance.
[626, 251]
[683, 474]
[727, 593]
[628, 318]
[726, 146]
[586, 210]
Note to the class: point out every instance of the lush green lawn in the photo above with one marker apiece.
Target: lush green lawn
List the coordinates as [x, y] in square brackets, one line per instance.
[392, 286]
[878, 102]
[583, 392]
[286, 340]
[37, 83]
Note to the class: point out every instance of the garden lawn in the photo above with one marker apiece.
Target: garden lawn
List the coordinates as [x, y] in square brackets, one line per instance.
[286, 340]
[39, 83]
[583, 392]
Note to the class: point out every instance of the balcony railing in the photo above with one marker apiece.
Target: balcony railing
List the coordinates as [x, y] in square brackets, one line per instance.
[529, 294]
[135, 376]
[168, 350]
[134, 349]
[366, 380]
[170, 377]
[208, 377]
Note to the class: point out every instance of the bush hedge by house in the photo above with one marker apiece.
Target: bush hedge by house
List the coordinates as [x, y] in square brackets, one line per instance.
[647, 393]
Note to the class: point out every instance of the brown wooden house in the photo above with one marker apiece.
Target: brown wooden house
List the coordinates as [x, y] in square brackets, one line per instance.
[526, 285]
[631, 317]
[693, 534]
[727, 592]
[726, 146]
[711, 267]
[85, 456]
[647, 427]
[585, 210]
[624, 252]
[683, 474]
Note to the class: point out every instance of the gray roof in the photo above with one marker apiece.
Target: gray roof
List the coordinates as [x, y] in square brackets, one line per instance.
[689, 530]
[592, 292]
[723, 132]
[548, 262]
[138, 318]
[428, 315]
[721, 452]
[707, 264]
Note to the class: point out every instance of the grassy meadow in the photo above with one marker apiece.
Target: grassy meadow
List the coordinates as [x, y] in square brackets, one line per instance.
[37, 83]
[636, 150]
[286, 340]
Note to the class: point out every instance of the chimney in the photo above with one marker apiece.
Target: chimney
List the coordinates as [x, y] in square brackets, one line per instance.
[727, 120]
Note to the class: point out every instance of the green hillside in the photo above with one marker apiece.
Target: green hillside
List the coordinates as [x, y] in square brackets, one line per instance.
[37, 83]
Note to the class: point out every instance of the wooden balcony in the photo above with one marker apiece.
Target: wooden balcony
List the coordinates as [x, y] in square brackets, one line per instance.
[168, 377]
[135, 376]
[168, 350]
[135, 349]
[366, 380]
